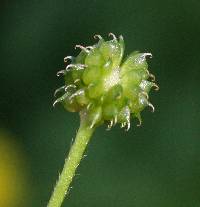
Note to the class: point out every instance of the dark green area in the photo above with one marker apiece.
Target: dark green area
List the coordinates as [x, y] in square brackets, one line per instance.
[157, 164]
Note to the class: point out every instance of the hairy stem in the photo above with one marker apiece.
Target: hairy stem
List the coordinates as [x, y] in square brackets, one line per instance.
[71, 163]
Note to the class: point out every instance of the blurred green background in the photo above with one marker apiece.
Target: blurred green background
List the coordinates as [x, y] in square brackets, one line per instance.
[157, 164]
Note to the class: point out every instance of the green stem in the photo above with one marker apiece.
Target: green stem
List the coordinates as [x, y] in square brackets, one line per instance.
[71, 163]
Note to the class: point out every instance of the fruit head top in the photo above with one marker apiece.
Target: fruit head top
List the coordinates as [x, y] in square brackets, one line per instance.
[107, 88]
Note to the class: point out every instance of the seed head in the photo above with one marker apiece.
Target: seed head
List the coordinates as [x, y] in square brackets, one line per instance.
[105, 87]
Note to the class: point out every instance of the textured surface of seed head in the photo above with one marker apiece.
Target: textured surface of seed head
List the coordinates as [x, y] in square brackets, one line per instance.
[108, 87]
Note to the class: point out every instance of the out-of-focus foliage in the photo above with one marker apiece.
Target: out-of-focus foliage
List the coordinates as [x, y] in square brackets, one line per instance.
[157, 164]
[13, 177]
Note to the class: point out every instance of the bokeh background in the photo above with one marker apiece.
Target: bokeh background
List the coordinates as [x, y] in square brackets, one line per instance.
[157, 164]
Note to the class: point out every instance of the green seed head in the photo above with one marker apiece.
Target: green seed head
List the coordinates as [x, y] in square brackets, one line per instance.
[105, 87]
